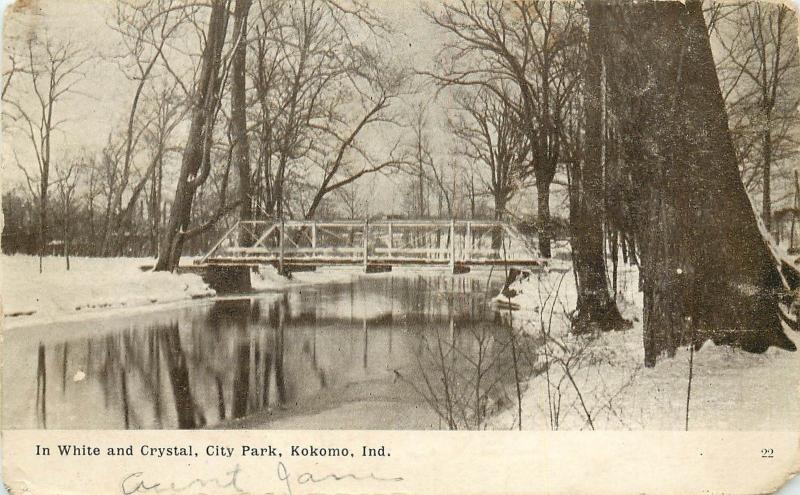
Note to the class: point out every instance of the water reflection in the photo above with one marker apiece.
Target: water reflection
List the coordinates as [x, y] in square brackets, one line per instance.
[208, 365]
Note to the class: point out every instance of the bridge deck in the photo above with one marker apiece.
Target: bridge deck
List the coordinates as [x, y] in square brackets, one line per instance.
[263, 260]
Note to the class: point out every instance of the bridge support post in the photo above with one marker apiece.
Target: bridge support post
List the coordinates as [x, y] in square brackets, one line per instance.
[391, 239]
[452, 246]
[468, 242]
[366, 244]
[280, 247]
[314, 239]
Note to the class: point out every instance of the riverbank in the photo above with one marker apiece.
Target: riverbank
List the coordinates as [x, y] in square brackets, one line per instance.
[92, 285]
[600, 382]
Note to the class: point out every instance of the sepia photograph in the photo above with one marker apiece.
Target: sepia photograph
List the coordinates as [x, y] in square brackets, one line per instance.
[414, 215]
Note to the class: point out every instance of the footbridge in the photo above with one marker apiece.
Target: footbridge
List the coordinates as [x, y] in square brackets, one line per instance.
[376, 245]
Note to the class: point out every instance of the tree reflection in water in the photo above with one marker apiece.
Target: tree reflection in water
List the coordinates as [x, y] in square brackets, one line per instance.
[313, 347]
[41, 388]
[179, 377]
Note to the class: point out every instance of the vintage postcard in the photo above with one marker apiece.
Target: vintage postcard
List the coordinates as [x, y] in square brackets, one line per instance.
[400, 247]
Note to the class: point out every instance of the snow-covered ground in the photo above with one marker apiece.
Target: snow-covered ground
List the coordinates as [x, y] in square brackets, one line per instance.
[731, 389]
[91, 285]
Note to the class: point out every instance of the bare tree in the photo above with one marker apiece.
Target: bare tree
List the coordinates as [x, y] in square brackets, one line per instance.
[196, 162]
[528, 44]
[170, 109]
[759, 71]
[353, 200]
[422, 160]
[316, 104]
[265, 73]
[295, 88]
[491, 136]
[238, 121]
[350, 160]
[51, 71]
[8, 74]
[68, 176]
[145, 29]
[595, 307]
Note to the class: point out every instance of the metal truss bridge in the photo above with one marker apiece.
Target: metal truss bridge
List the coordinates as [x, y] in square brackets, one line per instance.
[377, 245]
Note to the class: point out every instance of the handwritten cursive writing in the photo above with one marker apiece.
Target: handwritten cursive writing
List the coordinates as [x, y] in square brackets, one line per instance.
[306, 477]
[231, 482]
[135, 483]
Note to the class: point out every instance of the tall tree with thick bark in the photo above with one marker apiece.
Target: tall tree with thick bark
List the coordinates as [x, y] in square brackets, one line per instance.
[595, 307]
[238, 121]
[196, 162]
[707, 270]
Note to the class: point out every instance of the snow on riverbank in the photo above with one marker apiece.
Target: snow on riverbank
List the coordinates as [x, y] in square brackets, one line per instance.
[600, 382]
[90, 285]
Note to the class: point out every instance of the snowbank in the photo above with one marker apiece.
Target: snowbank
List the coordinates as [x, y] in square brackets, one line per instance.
[599, 381]
[90, 285]
[529, 290]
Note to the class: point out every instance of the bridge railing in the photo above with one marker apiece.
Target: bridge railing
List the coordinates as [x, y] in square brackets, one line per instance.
[376, 241]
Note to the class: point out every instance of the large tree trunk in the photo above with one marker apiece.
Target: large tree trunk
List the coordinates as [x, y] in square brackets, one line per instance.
[44, 184]
[499, 215]
[155, 207]
[66, 234]
[766, 200]
[596, 308]
[707, 271]
[196, 155]
[421, 191]
[241, 147]
[278, 187]
[543, 211]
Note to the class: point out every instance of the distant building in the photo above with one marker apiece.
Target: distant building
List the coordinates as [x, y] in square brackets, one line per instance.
[55, 247]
